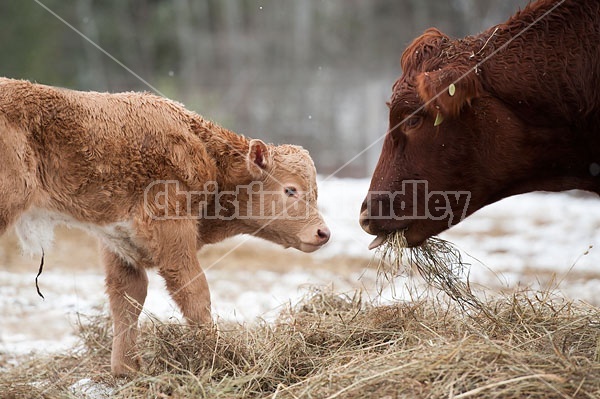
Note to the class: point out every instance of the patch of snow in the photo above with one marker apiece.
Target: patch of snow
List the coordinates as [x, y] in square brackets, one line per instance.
[339, 202]
[89, 389]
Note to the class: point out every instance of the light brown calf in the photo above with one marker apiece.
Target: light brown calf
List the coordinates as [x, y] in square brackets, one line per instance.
[154, 182]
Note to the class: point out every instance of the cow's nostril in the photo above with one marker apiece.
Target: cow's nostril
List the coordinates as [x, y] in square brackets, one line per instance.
[364, 218]
[364, 206]
[324, 234]
[365, 221]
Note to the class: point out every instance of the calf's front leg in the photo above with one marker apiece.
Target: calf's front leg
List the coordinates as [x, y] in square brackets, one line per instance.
[188, 287]
[126, 286]
[175, 255]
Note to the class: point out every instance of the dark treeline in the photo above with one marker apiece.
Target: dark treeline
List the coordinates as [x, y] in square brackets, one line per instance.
[311, 72]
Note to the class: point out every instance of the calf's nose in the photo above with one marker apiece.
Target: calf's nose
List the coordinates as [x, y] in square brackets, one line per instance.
[324, 234]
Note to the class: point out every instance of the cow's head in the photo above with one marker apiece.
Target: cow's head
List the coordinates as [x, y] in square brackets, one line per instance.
[451, 147]
[283, 197]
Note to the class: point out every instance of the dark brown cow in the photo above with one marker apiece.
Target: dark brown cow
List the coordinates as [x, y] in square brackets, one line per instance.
[512, 110]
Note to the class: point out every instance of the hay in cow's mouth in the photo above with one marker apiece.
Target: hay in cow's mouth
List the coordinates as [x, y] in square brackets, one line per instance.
[438, 262]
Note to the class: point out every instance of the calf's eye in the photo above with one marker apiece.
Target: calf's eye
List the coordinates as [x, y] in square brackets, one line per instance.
[291, 191]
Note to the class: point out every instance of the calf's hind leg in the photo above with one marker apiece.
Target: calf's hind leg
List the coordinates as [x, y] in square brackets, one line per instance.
[17, 176]
[12, 204]
[126, 286]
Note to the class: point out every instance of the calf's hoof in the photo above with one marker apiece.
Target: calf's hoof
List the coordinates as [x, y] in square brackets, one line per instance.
[125, 367]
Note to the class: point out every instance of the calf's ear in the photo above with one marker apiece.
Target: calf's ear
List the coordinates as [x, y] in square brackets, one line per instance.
[258, 158]
[447, 90]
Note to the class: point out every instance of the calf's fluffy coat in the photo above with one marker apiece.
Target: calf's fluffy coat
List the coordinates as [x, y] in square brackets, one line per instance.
[93, 160]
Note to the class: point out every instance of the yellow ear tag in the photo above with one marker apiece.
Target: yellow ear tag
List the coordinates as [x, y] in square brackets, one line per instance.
[451, 90]
[438, 119]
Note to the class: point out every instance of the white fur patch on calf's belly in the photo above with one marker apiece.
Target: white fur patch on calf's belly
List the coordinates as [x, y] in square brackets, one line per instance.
[35, 229]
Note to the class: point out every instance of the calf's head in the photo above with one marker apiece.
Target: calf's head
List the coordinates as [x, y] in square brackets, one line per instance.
[451, 147]
[282, 197]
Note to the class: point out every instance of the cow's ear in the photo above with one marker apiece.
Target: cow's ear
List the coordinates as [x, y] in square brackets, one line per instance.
[259, 157]
[447, 90]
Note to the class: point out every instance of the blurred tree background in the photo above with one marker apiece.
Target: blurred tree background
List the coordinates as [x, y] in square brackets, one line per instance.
[310, 72]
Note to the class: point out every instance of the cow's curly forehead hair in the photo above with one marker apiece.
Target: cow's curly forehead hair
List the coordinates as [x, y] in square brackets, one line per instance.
[430, 64]
[423, 54]
[399, 90]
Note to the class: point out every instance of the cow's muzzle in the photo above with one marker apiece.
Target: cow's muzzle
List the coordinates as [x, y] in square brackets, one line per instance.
[373, 214]
[380, 222]
[365, 222]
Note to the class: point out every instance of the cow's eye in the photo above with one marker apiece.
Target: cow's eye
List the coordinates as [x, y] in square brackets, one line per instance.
[413, 122]
[291, 191]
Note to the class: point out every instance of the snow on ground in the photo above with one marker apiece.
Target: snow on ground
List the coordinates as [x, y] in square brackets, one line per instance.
[520, 240]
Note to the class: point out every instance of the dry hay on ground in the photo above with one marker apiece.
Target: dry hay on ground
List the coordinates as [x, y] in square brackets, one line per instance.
[336, 346]
[437, 261]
